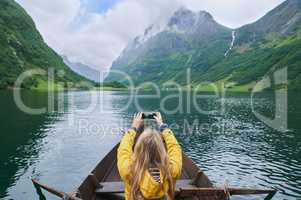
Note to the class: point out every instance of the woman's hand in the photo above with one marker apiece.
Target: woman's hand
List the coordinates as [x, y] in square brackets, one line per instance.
[158, 118]
[137, 120]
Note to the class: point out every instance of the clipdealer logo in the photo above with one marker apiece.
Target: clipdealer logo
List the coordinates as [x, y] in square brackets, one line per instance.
[278, 78]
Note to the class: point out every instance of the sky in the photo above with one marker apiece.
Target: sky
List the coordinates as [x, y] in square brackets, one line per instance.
[94, 32]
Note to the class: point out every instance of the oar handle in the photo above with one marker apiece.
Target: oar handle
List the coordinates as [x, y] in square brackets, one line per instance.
[56, 192]
[232, 191]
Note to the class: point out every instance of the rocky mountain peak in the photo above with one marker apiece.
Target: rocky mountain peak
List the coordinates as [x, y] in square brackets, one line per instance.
[205, 15]
[182, 11]
[193, 24]
[184, 25]
[185, 19]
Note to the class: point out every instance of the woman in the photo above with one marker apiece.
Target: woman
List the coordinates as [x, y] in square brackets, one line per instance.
[149, 168]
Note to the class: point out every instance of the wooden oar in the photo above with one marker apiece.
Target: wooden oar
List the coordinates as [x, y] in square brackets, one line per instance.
[187, 192]
[183, 192]
[58, 193]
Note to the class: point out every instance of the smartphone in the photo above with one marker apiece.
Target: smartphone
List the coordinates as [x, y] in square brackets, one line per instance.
[148, 115]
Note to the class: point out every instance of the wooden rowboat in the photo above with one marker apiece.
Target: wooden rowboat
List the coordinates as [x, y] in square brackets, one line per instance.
[104, 183]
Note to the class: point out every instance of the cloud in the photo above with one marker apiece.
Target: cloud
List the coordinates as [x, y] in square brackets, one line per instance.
[97, 38]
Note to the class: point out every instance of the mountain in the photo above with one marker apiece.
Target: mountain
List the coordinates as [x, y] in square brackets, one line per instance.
[214, 52]
[285, 19]
[273, 42]
[83, 70]
[22, 48]
[162, 52]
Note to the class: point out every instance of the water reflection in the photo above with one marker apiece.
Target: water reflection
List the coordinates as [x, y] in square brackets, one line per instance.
[21, 136]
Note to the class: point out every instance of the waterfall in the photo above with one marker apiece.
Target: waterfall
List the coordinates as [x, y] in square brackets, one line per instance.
[232, 44]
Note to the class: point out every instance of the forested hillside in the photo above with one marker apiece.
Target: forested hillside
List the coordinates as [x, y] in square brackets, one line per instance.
[23, 48]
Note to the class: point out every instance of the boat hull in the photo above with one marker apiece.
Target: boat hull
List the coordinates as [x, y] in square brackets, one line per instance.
[106, 177]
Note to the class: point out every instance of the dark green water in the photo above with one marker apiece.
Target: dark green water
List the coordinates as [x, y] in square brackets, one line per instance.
[233, 147]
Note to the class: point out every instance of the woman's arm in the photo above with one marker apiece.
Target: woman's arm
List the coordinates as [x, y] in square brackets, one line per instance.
[124, 153]
[174, 152]
[125, 149]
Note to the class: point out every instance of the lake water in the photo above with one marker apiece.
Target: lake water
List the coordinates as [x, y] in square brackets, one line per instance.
[232, 146]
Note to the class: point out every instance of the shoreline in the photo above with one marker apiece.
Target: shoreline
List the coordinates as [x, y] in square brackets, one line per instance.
[206, 88]
[144, 90]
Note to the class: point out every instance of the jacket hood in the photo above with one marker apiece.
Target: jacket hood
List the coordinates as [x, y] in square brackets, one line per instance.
[151, 189]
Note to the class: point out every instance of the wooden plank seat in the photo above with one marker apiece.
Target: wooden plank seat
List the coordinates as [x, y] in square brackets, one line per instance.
[118, 187]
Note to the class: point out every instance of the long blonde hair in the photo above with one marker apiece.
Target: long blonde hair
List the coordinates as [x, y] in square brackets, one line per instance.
[150, 151]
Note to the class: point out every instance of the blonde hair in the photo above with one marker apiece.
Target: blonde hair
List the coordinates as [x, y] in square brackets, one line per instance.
[150, 151]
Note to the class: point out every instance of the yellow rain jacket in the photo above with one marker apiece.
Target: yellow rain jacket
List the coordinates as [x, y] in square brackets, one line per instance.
[149, 188]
